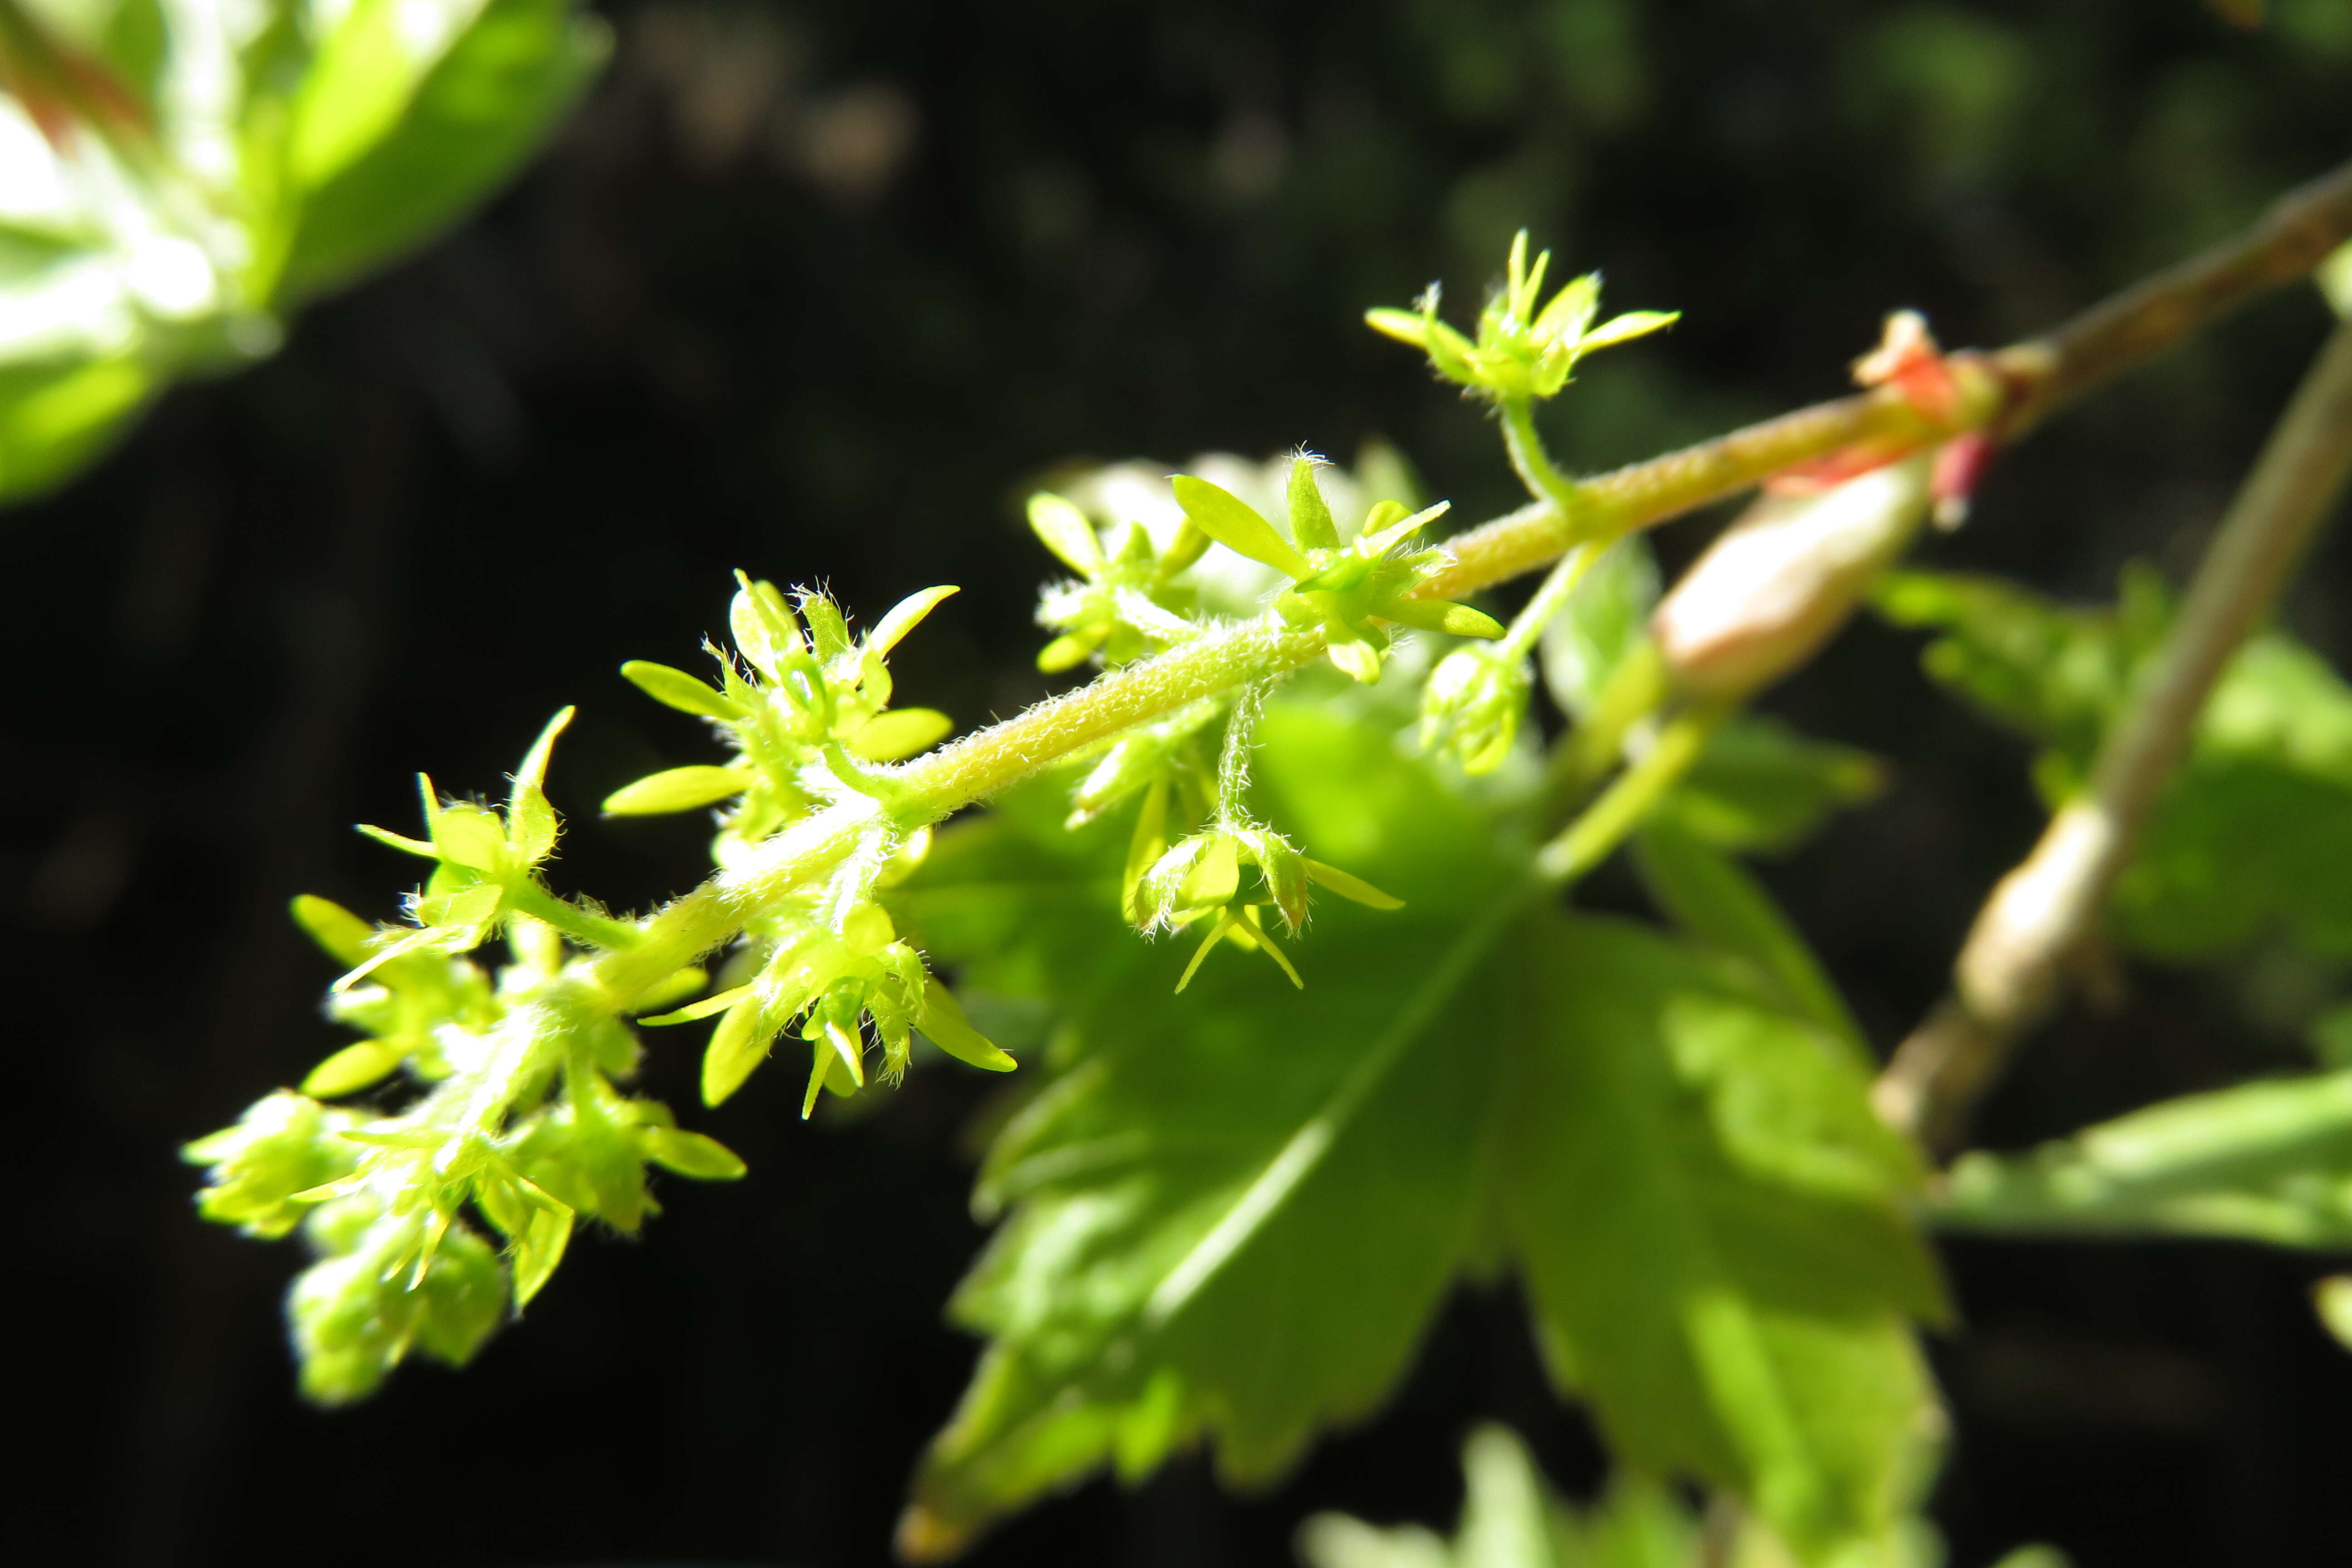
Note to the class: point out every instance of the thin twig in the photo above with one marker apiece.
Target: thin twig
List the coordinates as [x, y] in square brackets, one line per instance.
[2008, 977]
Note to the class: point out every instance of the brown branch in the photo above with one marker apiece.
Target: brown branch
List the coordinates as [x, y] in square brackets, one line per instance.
[2037, 377]
[2009, 976]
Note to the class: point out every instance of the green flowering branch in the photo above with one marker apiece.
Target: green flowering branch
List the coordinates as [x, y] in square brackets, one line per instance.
[435, 1218]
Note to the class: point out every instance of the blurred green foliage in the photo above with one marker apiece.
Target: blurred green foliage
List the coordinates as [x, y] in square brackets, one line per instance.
[2254, 836]
[175, 178]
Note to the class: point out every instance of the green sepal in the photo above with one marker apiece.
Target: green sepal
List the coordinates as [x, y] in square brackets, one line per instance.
[1065, 530]
[675, 688]
[737, 1045]
[690, 1154]
[534, 1252]
[1310, 516]
[1234, 523]
[1437, 615]
[679, 789]
[354, 1068]
[900, 732]
[346, 937]
[903, 617]
[943, 1024]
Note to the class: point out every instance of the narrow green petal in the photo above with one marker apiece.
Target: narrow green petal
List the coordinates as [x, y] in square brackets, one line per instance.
[400, 841]
[1631, 325]
[345, 937]
[702, 1009]
[944, 1024]
[690, 1154]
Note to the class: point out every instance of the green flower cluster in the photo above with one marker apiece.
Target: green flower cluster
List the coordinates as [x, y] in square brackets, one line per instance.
[807, 708]
[521, 1125]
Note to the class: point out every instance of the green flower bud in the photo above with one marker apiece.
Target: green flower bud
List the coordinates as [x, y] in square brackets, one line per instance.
[1471, 706]
[1522, 351]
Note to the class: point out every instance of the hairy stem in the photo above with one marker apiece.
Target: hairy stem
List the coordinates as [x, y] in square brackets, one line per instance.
[987, 760]
[2008, 977]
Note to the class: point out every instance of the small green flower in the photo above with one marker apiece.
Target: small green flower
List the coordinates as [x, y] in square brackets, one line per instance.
[1344, 588]
[1126, 603]
[409, 1002]
[1168, 751]
[839, 977]
[1200, 879]
[805, 705]
[1521, 351]
[485, 871]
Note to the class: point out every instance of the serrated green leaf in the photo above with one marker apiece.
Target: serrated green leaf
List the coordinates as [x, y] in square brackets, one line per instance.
[1232, 1213]
[1511, 1518]
[1749, 1322]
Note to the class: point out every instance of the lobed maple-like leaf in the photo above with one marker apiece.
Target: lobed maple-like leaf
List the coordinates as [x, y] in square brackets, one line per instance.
[1231, 1215]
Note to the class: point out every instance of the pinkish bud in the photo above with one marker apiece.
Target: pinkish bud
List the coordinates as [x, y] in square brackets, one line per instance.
[1782, 579]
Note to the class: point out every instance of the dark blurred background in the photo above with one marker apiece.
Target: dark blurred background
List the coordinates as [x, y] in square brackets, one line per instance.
[815, 289]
